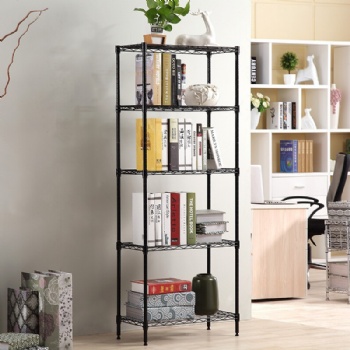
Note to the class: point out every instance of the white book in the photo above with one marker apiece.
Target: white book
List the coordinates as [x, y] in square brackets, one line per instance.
[166, 218]
[274, 116]
[183, 218]
[137, 220]
[158, 218]
[151, 222]
[199, 146]
[182, 140]
[214, 155]
[194, 148]
[165, 141]
[205, 148]
[188, 144]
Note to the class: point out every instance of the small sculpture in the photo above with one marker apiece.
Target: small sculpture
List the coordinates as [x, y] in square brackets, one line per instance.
[308, 73]
[201, 95]
[206, 39]
[307, 122]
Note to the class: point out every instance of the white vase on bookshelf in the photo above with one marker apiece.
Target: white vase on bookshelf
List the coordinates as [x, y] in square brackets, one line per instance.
[255, 117]
[335, 104]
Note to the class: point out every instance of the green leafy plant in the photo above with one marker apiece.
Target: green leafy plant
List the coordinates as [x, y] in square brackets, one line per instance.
[289, 61]
[259, 101]
[164, 13]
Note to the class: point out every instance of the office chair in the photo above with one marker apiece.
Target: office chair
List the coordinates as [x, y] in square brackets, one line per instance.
[317, 226]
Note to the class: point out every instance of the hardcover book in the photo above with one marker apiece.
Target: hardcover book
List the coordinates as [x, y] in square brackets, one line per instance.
[166, 79]
[18, 341]
[161, 300]
[199, 146]
[212, 227]
[289, 156]
[153, 78]
[161, 313]
[191, 218]
[214, 158]
[158, 218]
[183, 218]
[209, 238]
[165, 141]
[205, 146]
[253, 70]
[194, 148]
[274, 116]
[209, 215]
[175, 218]
[182, 144]
[162, 285]
[166, 229]
[188, 144]
[178, 83]
[173, 81]
[173, 146]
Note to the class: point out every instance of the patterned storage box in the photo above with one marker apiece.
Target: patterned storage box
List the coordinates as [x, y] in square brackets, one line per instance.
[338, 234]
[339, 210]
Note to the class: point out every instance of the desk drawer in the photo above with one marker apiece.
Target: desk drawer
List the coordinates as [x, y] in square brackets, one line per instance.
[313, 186]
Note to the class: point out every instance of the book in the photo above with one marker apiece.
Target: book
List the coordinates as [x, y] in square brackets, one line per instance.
[191, 218]
[165, 141]
[166, 231]
[151, 231]
[182, 150]
[183, 82]
[173, 81]
[199, 146]
[289, 156]
[153, 78]
[209, 215]
[157, 141]
[157, 314]
[173, 145]
[205, 141]
[274, 116]
[309, 155]
[166, 79]
[287, 115]
[162, 285]
[209, 238]
[253, 70]
[158, 218]
[214, 158]
[178, 82]
[212, 227]
[152, 163]
[300, 156]
[175, 218]
[161, 300]
[138, 219]
[194, 148]
[188, 144]
[18, 341]
[183, 218]
[294, 115]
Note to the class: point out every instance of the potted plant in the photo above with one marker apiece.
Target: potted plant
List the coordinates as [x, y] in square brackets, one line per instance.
[164, 13]
[258, 103]
[289, 61]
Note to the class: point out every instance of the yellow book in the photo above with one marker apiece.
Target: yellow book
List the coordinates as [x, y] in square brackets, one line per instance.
[158, 143]
[150, 144]
[311, 156]
[307, 157]
[166, 79]
[302, 143]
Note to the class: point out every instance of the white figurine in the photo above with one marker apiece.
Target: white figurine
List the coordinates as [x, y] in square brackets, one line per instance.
[307, 121]
[308, 73]
[206, 39]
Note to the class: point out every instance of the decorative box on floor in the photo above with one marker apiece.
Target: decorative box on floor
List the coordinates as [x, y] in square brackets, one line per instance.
[22, 311]
[338, 239]
[55, 307]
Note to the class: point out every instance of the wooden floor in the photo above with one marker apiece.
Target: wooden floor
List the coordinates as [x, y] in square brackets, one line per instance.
[303, 324]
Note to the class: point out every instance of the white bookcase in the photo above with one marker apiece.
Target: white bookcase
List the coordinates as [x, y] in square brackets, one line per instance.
[332, 63]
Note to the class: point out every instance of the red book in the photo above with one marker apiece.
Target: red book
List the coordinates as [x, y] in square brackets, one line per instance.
[162, 286]
[175, 218]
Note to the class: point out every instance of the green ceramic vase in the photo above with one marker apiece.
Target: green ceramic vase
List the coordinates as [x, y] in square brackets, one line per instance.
[207, 297]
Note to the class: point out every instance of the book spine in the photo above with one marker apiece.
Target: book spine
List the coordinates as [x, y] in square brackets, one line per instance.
[175, 218]
[178, 83]
[194, 148]
[150, 144]
[299, 156]
[156, 83]
[188, 144]
[294, 115]
[191, 218]
[166, 79]
[165, 142]
[183, 218]
[173, 136]
[285, 115]
[182, 151]
[205, 148]
[253, 70]
[289, 156]
[307, 158]
[151, 233]
[183, 83]
[173, 287]
[199, 146]
[274, 115]
[137, 218]
[215, 148]
[158, 144]
[158, 218]
[311, 155]
[166, 232]
[303, 168]
[289, 115]
[138, 80]
[173, 81]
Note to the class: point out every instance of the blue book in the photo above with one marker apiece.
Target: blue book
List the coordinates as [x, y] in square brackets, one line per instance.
[289, 156]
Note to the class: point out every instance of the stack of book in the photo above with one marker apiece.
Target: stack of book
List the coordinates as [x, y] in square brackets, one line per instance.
[210, 226]
[164, 77]
[171, 218]
[177, 144]
[296, 156]
[281, 115]
[20, 341]
[167, 299]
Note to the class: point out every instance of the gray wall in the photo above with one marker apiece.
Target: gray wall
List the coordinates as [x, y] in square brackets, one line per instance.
[57, 151]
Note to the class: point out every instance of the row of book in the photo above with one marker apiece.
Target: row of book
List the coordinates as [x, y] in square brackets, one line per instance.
[296, 156]
[165, 79]
[167, 299]
[177, 144]
[281, 115]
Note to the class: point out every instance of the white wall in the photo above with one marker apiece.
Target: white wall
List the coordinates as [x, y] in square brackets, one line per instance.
[57, 150]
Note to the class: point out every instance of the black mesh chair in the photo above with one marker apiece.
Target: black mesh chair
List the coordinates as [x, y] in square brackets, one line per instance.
[316, 226]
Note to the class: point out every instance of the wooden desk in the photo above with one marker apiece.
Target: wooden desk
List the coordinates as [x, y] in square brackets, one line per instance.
[279, 251]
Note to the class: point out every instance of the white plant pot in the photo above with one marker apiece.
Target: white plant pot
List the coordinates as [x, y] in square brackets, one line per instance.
[289, 79]
[255, 117]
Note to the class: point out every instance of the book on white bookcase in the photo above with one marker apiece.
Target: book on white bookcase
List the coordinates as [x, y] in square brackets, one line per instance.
[199, 146]
[214, 157]
[188, 144]
[182, 144]
[183, 218]
[158, 218]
